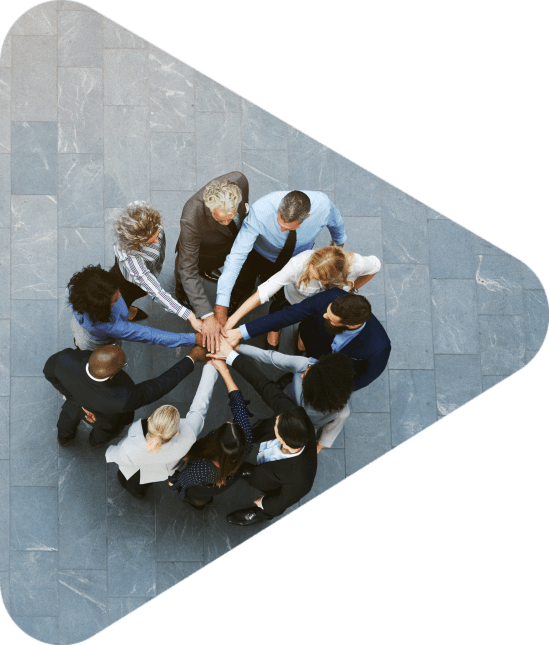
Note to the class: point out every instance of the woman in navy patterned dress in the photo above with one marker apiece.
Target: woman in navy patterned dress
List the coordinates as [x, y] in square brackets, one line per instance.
[214, 462]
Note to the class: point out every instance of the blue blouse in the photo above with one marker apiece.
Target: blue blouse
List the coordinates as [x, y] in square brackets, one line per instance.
[202, 472]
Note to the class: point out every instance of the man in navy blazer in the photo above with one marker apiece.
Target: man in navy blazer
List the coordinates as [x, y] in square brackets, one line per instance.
[96, 387]
[333, 321]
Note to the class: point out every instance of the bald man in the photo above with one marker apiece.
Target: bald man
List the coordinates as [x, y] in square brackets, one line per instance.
[96, 387]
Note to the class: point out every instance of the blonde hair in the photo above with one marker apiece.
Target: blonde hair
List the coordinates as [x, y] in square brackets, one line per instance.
[135, 225]
[162, 426]
[332, 265]
[225, 195]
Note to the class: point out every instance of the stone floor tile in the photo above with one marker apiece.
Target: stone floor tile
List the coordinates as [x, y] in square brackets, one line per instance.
[42, 628]
[310, 164]
[169, 203]
[502, 344]
[171, 93]
[490, 381]
[38, 21]
[80, 106]
[123, 505]
[529, 279]
[455, 320]
[432, 214]
[173, 165]
[83, 609]
[413, 404]
[213, 97]
[374, 397]
[120, 607]
[126, 156]
[330, 471]
[4, 515]
[457, 380]
[64, 314]
[179, 528]
[5, 333]
[483, 247]
[34, 158]
[261, 130]
[80, 190]
[34, 78]
[125, 77]
[110, 217]
[266, 170]
[367, 437]
[169, 574]
[4, 429]
[36, 337]
[5, 588]
[34, 247]
[80, 39]
[5, 53]
[450, 250]
[536, 318]
[217, 145]
[5, 104]
[33, 518]
[82, 513]
[33, 405]
[131, 557]
[499, 285]
[116, 37]
[34, 585]
[69, 5]
[409, 324]
[78, 247]
[5, 195]
[358, 192]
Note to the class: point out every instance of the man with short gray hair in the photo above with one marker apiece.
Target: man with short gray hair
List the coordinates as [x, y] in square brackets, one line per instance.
[279, 226]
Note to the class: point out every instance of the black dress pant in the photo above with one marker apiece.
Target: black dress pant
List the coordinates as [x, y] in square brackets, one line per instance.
[128, 290]
[103, 430]
[132, 484]
[205, 494]
[255, 266]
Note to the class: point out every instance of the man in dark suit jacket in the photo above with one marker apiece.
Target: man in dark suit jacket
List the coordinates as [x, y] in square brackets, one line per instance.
[95, 385]
[333, 321]
[210, 221]
[288, 437]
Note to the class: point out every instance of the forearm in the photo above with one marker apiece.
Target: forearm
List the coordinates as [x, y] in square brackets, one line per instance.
[150, 335]
[229, 381]
[244, 309]
[278, 359]
[362, 280]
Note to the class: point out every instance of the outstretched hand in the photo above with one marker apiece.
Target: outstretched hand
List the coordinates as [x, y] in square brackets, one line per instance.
[219, 364]
[224, 350]
[234, 337]
[196, 323]
[212, 333]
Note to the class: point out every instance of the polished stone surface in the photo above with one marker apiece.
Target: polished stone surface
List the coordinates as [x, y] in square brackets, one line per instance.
[93, 117]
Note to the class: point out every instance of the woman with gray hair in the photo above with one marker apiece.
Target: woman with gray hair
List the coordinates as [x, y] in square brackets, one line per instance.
[154, 446]
[140, 248]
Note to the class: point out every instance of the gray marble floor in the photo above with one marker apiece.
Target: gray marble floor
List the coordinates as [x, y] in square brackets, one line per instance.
[93, 117]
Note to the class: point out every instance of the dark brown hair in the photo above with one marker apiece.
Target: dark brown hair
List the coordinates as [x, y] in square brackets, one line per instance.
[353, 309]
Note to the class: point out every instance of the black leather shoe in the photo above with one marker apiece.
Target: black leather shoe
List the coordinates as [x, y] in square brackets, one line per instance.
[96, 445]
[246, 470]
[198, 508]
[140, 315]
[285, 380]
[244, 517]
[268, 345]
[63, 443]
[212, 276]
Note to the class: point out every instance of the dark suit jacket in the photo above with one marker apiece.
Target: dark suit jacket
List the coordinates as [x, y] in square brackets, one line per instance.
[285, 481]
[202, 236]
[369, 350]
[112, 401]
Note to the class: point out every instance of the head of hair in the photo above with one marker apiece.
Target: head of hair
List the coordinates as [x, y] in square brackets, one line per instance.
[135, 226]
[225, 195]
[91, 291]
[294, 207]
[329, 383]
[225, 445]
[352, 309]
[161, 427]
[106, 360]
[295, 428]
[332, 264]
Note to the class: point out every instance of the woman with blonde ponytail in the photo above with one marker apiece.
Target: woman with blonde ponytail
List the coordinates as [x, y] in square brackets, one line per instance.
[305, 275]
[155, 446]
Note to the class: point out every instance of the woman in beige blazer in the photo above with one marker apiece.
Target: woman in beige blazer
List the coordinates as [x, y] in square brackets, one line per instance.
[154, 446]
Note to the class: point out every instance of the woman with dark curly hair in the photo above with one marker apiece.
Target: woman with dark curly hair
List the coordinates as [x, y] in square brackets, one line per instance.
[140, 248]
[101, 315]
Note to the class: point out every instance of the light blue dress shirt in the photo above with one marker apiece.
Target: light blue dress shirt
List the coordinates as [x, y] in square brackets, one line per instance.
[261, 231]
[272, 451]
[340, 340]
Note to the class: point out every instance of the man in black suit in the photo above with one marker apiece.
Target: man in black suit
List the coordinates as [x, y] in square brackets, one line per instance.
[287, 456]
[95, 386]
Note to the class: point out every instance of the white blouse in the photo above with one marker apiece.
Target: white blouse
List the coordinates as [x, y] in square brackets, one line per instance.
[288, 277]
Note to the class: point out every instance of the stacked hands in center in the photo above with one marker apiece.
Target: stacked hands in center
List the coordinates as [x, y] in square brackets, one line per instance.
[340, 346]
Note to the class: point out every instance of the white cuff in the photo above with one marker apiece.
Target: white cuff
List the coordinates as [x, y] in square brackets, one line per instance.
[231, 357]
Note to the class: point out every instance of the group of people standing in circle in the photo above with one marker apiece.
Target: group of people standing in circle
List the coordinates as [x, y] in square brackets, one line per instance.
[341, 346]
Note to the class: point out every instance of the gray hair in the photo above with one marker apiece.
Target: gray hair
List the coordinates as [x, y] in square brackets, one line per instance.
[225, 195]
[136, 224]
[294, 207]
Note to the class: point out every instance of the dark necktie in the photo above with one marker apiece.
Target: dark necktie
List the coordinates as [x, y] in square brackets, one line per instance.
[287, 251]
[233, 228]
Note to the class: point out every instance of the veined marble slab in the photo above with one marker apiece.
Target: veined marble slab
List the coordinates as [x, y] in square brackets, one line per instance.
[261, 130]
[171, 93]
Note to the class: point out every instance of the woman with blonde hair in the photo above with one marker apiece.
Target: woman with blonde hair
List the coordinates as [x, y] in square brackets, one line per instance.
[155, 446]
[140, 248]
[305, 275]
